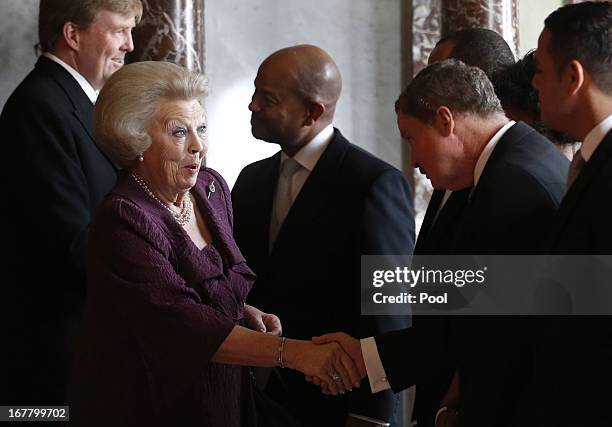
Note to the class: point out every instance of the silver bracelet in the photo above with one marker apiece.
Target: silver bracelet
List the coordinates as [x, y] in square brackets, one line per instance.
[442, 410]
[281, 352]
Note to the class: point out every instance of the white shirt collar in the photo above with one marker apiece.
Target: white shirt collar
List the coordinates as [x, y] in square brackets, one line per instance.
[594, 137]
[486, 153]
[309, 154]
[91, 93]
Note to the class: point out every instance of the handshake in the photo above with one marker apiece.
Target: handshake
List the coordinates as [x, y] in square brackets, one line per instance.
[335, 363]
[332, 361]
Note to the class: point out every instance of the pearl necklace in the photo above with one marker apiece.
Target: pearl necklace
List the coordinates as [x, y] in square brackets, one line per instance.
[182, 217]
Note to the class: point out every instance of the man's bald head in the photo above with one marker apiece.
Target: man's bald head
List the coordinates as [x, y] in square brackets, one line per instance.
[296, 90]
[311, 70]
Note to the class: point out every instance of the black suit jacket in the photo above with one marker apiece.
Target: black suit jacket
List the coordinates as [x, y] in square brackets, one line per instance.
[352, 204]
[54, 178]
[438, 231]
[574, 354]
[508, 212]
[436, 237]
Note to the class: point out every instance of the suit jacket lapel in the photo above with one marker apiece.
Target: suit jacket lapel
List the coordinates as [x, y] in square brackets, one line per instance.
[430, 214]
[317, 189]
[442, 232]
[589, 172]
[468, 219]
[83, 107]
[262, 201]
[516, 132]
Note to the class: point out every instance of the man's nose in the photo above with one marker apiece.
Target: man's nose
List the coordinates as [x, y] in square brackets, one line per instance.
[128, 45]
[253, 106]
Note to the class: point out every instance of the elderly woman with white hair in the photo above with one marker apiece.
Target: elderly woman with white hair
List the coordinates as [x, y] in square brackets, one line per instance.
[166, 324]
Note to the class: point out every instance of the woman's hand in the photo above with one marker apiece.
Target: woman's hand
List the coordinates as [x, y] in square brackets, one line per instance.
[349, 344]
[259, 321]
[327, 362]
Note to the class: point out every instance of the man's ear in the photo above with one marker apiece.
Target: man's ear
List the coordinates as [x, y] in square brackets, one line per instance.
[70, 33]
[444, 121]
[574, 76]
[315, 110]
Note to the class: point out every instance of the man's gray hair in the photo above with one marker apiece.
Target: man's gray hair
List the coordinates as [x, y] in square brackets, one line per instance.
[451, 83]
[128, 101]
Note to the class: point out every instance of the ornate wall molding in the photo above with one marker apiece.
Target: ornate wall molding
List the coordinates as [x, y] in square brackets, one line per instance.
[429, 20]
[173, 31]
[497, 15]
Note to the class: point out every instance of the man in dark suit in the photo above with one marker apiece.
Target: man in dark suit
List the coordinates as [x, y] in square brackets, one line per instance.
[574, 81]
[460, 137]
[487, 50]
[304, 229]
[55, 178]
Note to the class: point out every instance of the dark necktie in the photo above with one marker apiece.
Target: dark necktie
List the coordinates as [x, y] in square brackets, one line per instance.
[574, 169]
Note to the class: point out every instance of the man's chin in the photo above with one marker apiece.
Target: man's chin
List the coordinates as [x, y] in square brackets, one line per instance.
[553, 123]
[262, 136]
[112, 69]
[107, 76]
[437, 185]
[255, 133]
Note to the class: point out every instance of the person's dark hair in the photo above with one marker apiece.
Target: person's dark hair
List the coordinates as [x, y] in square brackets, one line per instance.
[514, 89]
[517, 95]
[482, 48]
[462, 88]
[583, 32]
[53, 14]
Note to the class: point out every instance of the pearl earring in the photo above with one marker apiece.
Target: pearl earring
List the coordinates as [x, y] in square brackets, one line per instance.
[140, 157]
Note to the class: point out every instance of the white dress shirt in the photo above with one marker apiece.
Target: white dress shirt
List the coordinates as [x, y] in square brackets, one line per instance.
[594, 137]
[91, 93]
[374, 367]
[307, 157]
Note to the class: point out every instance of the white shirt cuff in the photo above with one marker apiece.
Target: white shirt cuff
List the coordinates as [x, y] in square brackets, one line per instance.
[374, 367]
[370, 420]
